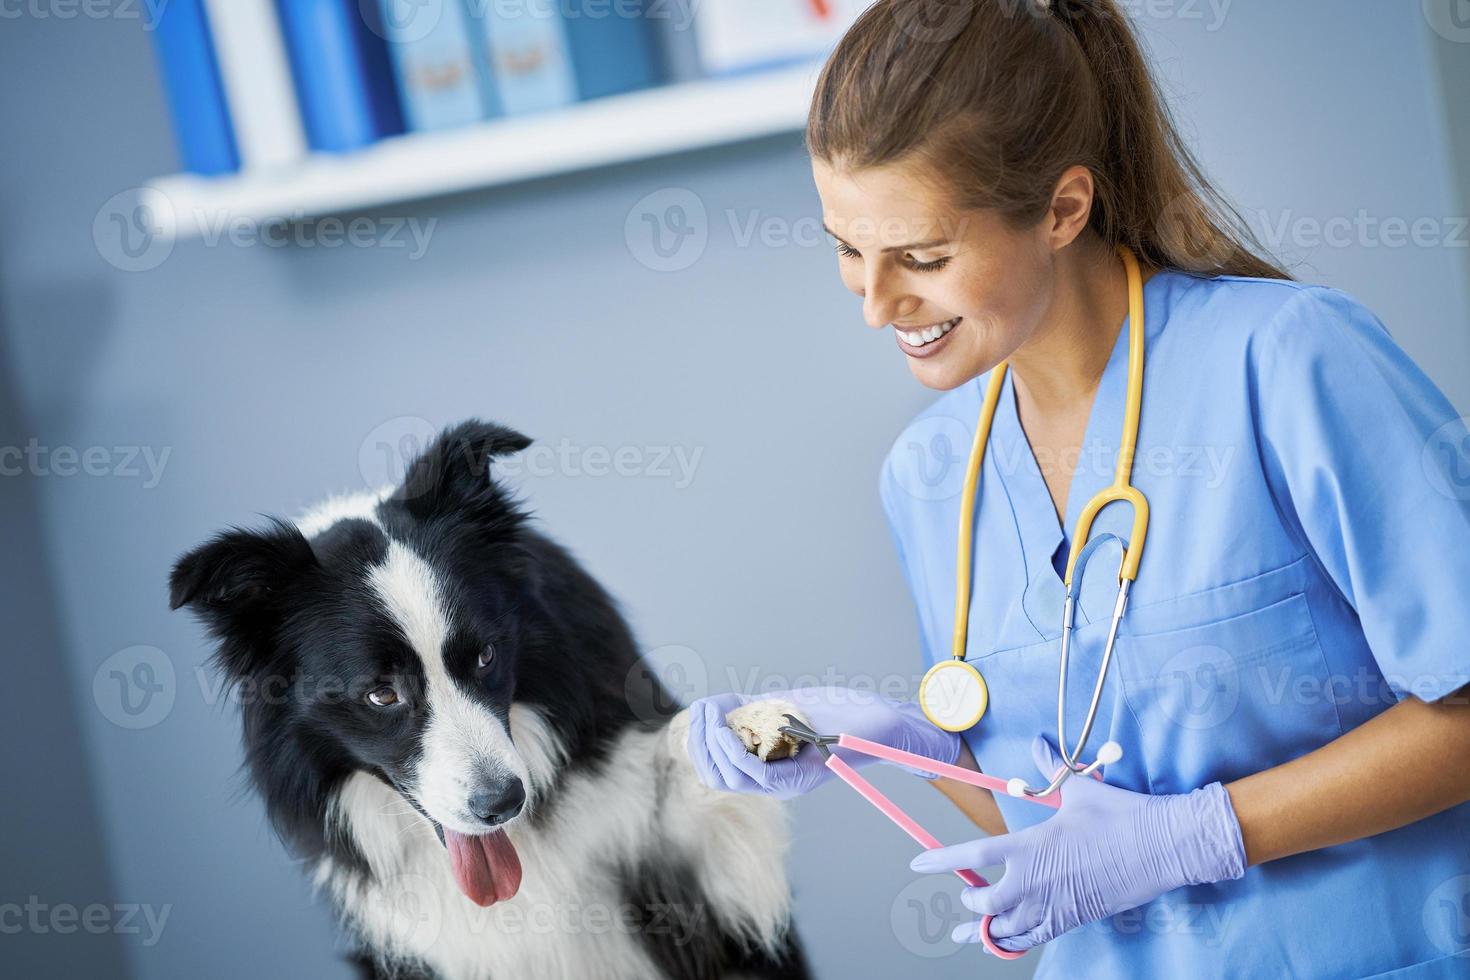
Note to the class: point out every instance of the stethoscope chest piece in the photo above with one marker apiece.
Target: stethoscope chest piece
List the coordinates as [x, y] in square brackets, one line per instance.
[953, 695]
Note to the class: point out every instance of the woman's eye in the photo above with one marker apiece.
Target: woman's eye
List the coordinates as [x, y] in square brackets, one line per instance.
[486, 656]
[934, 266]
[383, 696]
[847, 251]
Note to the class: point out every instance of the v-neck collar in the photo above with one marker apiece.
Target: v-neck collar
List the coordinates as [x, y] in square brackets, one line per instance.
[1015, 464]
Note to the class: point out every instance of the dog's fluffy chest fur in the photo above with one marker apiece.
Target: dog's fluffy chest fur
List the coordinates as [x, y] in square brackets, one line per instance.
[582, 910]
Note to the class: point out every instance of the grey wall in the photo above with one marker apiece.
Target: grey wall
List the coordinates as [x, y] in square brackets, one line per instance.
[271, 376]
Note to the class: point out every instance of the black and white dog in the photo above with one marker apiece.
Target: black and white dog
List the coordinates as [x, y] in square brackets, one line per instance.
[448, 720]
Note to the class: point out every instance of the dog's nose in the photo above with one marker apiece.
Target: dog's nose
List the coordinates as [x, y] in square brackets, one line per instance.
[498, 803]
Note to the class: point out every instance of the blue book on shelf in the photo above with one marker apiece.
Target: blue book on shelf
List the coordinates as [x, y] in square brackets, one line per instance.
[434, 62]
[611, 52]
[525, 62]
[343, 73]
[196, 97]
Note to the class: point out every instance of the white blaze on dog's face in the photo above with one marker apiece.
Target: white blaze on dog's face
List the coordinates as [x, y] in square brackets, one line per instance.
[466, 775]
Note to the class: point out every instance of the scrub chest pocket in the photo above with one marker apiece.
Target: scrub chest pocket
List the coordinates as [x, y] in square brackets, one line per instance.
[1228, 698]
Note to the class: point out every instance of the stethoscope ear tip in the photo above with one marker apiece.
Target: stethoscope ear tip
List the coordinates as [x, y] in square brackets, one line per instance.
[1109, 753]
[1016, 787]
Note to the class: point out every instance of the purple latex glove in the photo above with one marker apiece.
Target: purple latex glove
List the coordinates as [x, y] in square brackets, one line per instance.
[722, 761]
[1107, 849]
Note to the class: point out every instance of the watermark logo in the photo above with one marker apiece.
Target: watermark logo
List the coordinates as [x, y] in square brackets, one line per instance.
[1208, 924]
[133, 230]
[145, 463]
[65, 919]
[148, 11]
[939, 21]
[408, 911]
[1446, 459]
[136, 230]
[1447, 916]
[1450, 19]
[672, 675]
[668, 230]
[932, 455]
[389, 450]
[924, 914]
[1199, 687]
[401, 21]
[135, 687]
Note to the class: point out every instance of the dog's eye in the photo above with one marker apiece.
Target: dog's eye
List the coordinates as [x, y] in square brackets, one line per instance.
[383, 696]
[486, 656]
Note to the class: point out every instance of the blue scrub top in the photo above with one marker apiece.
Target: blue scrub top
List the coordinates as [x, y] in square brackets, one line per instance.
[1305, 569]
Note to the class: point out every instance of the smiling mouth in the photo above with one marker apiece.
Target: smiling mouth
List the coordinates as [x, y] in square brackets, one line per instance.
[486, 867]
[927, 335]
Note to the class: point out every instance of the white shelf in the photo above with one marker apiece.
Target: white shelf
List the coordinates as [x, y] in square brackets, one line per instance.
[609, 130]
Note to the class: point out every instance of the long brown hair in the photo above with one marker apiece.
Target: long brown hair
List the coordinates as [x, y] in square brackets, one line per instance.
[997, 98]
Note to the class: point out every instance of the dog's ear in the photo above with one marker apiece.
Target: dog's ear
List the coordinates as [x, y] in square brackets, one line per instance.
[231, 582]
[454, 472]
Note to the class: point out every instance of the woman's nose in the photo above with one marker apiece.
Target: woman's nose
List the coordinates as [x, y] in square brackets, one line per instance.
[882, 301]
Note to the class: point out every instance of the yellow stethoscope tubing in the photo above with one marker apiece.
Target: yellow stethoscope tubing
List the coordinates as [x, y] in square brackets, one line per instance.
[1121, 489]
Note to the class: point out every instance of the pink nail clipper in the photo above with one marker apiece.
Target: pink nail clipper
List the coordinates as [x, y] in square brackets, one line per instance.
[803, 733]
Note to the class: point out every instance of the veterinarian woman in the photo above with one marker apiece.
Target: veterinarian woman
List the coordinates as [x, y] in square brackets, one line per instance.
[1289, 684]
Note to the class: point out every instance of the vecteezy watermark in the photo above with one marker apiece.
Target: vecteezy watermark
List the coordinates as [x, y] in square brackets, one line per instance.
[405, 912]
[135, 230]
[570, 915]
[1360, 230]
[1207, 923]
[135, 687]
[667, 231]
[409, 910]
[1209, 13]
[1203, 687]
[389, 449]
[1446, 459]
[1446, 916]
[675, 463]
[665, 679]
[1450, 19]
[1198, 688]
[931, 457]
[147, 11]
[123, 462]
[923, 915]
[98, 918]
[1181, 225]
[410, 21]
[387, 452]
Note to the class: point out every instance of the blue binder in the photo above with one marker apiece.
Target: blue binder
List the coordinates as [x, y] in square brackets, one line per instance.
[196, 96]
[434, 62]
[525, 62]
[344, 78]
[611, 53]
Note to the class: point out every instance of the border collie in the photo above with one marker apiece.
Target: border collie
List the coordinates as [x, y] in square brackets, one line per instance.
[448, 721]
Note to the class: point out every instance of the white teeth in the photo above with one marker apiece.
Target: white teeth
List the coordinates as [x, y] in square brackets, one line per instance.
[928, 335]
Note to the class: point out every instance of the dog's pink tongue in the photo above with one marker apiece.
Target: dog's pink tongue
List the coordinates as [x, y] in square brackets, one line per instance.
[486, 867]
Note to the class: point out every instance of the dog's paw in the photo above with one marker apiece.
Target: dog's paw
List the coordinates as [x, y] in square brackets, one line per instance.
[758, 725]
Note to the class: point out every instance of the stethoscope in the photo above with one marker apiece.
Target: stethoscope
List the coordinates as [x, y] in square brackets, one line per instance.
[953, 694]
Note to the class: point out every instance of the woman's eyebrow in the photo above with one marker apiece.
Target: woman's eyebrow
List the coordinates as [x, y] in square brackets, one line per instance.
[917, 246]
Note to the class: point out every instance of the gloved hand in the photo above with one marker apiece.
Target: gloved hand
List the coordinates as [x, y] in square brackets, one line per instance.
[722, 761]
[1105, 850]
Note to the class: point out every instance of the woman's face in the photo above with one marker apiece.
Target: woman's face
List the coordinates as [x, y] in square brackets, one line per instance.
[924, 268]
